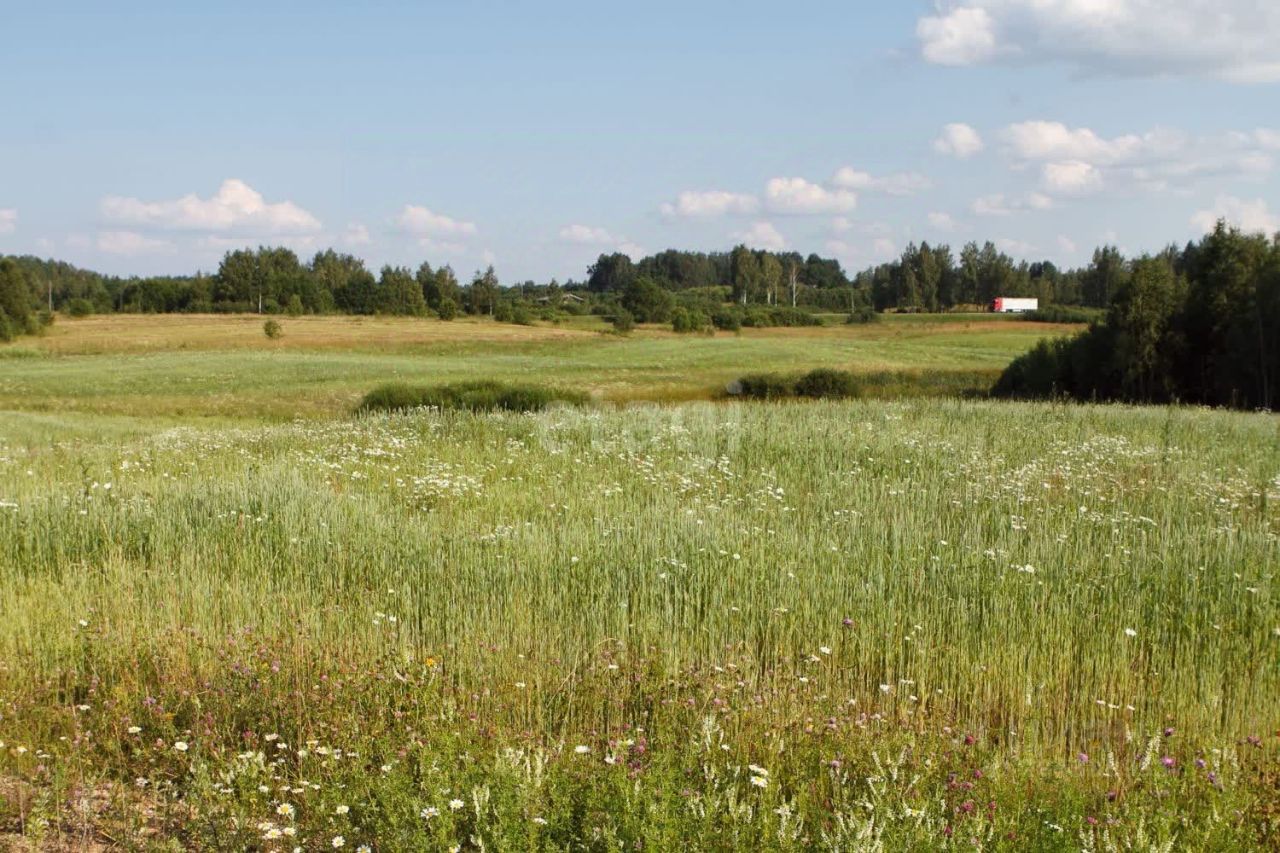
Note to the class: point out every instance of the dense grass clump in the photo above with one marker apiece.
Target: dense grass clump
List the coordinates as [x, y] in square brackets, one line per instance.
[467, 396]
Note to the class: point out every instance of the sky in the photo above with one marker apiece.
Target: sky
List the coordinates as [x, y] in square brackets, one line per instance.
[151, 138]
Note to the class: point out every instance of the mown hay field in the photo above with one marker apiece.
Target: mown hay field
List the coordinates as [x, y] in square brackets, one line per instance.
[870, 624]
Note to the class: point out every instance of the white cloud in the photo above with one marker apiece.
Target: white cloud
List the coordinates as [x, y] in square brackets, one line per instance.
[762, 235]
[586, 235]
[236, 206]
[356, 235]
[423, 223]
[1052, 140]
[958, 140]
[1079, 160]
[131, 243]
[1011, 246]
[942, 221]
[710, 203]
[1230, 39]
[882, 248]
[964, 36]
[998, 204]
[1073, 176]
[841, 224]
[1067, 245]
[898, 184]
[8, 220]
[1252, 216]
[796, 195]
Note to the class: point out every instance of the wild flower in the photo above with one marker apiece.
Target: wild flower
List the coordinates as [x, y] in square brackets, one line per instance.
[582, 749]
[133, 730]
[364, 848]
[181, 746]
[285, 810]
[1129, 632]
[455, 805]
[429, 812]
[342, 810]
[540, 821]
[759, 781]
[338, 841]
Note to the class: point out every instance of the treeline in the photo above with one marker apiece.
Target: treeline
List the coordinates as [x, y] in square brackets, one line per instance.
[1200, 325]
[266, 280]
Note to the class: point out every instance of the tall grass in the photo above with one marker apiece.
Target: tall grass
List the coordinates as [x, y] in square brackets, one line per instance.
[822, 583]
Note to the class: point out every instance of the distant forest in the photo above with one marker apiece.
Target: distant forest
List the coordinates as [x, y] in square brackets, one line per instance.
[273, 280]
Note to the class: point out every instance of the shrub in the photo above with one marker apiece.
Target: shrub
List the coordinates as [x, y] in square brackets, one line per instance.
[764, 317]
[504, 313]
[272, 329]
[1066, 314]
[294, 306]
[825, 382]
[728, 319]
[688, 320]
[448, 309]
[763, 386]
[482, 396]
[862, 314]
[623, 321]
[79, 308]
[520, 316]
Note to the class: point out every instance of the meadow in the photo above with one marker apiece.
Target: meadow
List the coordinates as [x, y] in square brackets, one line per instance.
[223, 366]
[912, 624]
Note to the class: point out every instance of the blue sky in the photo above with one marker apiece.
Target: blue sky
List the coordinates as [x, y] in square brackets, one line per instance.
[150, 137]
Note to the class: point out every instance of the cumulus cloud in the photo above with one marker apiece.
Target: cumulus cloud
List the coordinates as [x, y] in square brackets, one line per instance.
[586, 235]
[8, 220]
[1053, 140]
[1078, 160]
[1013, 246]
[1229, 39]
[762, 235]
[1252, 216]
[425, 224]
[958, 140]
[1067, 245]
[897, 184]
[942, 221]
[798, 196]
[710, 203]
[964, 36]
[356, 235]
[131, 243]
[235, 207]
[1073, 176]
[999, 204]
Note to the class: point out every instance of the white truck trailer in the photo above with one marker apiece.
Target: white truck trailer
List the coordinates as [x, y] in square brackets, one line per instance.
[1013, 305]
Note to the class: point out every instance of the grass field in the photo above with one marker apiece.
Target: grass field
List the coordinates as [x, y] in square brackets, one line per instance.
[871, 625]
[224, 366]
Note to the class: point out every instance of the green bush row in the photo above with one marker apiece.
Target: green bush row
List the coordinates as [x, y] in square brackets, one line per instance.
[481, 396]
[823, 383]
